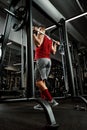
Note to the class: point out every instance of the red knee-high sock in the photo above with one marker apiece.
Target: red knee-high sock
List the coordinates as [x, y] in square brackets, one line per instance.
[42, 95]
[47, 94]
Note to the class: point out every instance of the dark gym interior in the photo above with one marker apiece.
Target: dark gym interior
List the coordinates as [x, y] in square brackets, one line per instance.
[66, 22]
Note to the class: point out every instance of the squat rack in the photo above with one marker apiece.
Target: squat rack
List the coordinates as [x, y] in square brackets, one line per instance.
[29, 64]
[29, 59]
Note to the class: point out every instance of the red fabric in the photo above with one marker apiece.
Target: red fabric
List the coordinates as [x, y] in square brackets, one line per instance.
[47, 94]
[44, 50]
[42, 96]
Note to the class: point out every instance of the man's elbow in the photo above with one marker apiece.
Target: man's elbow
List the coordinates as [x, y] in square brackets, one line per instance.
[38, 44]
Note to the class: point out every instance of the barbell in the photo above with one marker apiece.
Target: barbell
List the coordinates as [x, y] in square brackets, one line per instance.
[40, 32]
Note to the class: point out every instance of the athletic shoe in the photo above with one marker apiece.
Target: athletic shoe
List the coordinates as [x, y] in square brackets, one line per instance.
[53, 103]
[38, 107]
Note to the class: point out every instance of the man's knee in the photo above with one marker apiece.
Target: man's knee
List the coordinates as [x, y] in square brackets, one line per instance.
[41, 85]
[38, 83]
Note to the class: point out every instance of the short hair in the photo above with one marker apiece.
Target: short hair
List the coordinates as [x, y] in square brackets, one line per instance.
[41, 25]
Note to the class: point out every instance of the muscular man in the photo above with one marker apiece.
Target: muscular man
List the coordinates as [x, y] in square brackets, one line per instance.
[44, 46]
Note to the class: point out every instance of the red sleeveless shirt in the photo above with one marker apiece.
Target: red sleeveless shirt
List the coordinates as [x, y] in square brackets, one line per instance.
[45, 49]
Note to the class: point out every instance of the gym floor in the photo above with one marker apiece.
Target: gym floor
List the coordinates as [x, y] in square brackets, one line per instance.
[22, 116]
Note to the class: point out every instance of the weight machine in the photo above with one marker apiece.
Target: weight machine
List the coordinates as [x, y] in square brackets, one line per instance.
[23, 15]
[27, 19]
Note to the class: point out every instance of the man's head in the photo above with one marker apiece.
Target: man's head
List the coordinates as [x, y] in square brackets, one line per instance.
[42, 28]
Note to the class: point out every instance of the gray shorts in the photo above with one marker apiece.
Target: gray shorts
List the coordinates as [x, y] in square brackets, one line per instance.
[42, 69]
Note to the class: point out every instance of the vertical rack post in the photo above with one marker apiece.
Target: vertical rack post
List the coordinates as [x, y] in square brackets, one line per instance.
[29, 53]
[69, 66]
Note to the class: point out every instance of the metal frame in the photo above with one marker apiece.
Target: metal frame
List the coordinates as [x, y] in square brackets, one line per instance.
[29, 66]
[68, 60]
[67, 56]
